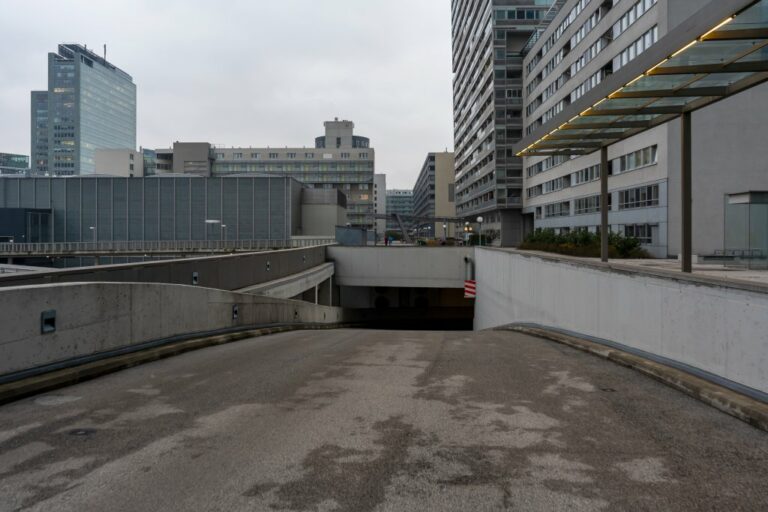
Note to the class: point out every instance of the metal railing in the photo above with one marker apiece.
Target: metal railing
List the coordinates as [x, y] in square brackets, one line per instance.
[159, 247]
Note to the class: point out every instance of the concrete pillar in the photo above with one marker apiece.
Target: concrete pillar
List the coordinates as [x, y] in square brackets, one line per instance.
[604, 203]
[316, 295]
[686, 194]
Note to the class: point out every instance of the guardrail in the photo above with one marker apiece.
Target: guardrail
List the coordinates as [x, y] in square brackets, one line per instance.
[155, 247]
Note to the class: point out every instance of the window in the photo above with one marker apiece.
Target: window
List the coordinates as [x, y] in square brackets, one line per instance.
[130, 167]
[585, 175]
[641, 197]
[338, 142]
[643, 232]
[631, 16]
[273, 155]
[636, 48]
[130, 155]
[558, 209]
[291, 155]
[255, 156]
[220, 155]
[635, 160]
[345, 156]
[237, 156]
[363, 186]
[309, 155]
[587, 205]
[364, 156]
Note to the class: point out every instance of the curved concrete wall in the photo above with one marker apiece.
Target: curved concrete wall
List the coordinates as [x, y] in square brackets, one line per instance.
[99, 317]
[223, 272]
[719, 328]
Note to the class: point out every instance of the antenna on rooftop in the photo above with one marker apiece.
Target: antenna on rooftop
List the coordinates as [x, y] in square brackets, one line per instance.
[105, 52]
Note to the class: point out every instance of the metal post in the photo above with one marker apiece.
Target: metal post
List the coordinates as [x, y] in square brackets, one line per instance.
[686, 195]
[604, 203]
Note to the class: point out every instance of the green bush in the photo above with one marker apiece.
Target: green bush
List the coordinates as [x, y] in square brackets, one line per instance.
[584, 244]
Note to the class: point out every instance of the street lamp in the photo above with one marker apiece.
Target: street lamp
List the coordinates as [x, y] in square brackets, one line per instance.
[93, 229]
[224, 231]
[445, 231]
[210, 222]
[480, 221]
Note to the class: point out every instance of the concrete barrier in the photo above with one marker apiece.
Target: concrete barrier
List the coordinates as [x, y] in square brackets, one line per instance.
[230, 272]
[407, 267]
[704, 324]
[93, 318]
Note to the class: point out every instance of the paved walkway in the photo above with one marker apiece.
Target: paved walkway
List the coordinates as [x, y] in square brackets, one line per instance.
[356, 420]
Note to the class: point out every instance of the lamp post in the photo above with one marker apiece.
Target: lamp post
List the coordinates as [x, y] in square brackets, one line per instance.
[445, 231]
[480, 221]
[224, 231]
[93, 230]
[210, 222]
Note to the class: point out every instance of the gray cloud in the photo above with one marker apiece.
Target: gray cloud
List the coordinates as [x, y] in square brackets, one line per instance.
[259, 72]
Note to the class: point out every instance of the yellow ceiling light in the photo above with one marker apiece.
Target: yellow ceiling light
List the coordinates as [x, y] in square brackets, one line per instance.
[681, 50]
[718, 27]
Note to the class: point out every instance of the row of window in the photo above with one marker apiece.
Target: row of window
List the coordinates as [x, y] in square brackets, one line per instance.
[643, 232]
[636, 48]
[550, 42]
[635, 160]
[646, 196]
[631, 16]
[585, 28]
[518, 14]
[625, 163]
[587, 85]
[290, 156]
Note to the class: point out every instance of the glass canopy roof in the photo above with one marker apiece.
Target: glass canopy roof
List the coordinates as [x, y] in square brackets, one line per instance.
[726, 58]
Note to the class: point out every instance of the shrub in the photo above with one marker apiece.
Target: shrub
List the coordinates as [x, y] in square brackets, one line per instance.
[584, 244]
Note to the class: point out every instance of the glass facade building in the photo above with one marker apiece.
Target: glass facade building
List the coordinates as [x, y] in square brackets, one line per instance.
[13, 164]
[399, 202]
[90, 104]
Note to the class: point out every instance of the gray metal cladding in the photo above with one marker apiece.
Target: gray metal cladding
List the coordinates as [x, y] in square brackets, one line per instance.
[159, 208]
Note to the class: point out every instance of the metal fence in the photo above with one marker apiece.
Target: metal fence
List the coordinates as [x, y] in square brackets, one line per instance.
[159, 247]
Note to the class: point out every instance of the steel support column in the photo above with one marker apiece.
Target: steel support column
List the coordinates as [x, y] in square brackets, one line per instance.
[686, 245]
[604, 203]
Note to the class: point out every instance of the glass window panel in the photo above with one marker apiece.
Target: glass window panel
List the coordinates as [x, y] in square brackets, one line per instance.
[719, 80]
[658, 82]
[674, 102]
[711, 52]
[623, 103]
[753, 18]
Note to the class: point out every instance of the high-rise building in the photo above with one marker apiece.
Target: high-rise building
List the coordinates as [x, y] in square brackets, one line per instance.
[434, 194]
[489, 37]
[90, 104]
[399, 202]
[585, 43]
[340, 160]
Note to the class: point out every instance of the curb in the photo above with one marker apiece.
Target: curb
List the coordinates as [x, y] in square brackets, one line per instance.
[749, 410]
[22, 388]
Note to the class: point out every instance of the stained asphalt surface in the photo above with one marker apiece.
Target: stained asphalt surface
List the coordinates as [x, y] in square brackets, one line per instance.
[356, 420]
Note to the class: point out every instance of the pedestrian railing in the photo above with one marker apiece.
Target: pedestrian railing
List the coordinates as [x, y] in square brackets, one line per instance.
[164, 246]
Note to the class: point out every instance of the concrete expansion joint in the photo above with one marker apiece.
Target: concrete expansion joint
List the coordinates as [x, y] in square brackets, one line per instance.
[745, 408]
[15, 390]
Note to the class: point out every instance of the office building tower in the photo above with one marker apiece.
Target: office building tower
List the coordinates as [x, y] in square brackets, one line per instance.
[90, 104]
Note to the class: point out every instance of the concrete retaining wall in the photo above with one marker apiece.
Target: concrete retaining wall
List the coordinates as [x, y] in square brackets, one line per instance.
[407, 267]
[223, 272]
[715, 327]
[100, 317]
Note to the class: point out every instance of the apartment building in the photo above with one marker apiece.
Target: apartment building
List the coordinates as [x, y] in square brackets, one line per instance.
[399, 201]
[588, 40]
[489, 37]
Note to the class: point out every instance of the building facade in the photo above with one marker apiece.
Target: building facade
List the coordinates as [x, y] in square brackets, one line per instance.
[95, 208]
[399, 201]
[489, 37]
[90, 104]
[120, 162]
[13, 164]
[380, 202]
[587, 41]
[434, 194]
[340, 160]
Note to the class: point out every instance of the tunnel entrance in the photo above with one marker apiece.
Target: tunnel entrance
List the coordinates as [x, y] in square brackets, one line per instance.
[400, 308]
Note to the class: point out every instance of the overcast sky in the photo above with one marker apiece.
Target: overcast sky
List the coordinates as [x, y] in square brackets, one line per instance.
[251, 72]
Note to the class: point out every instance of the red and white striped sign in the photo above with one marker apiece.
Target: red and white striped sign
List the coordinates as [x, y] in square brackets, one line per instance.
[470, 289]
